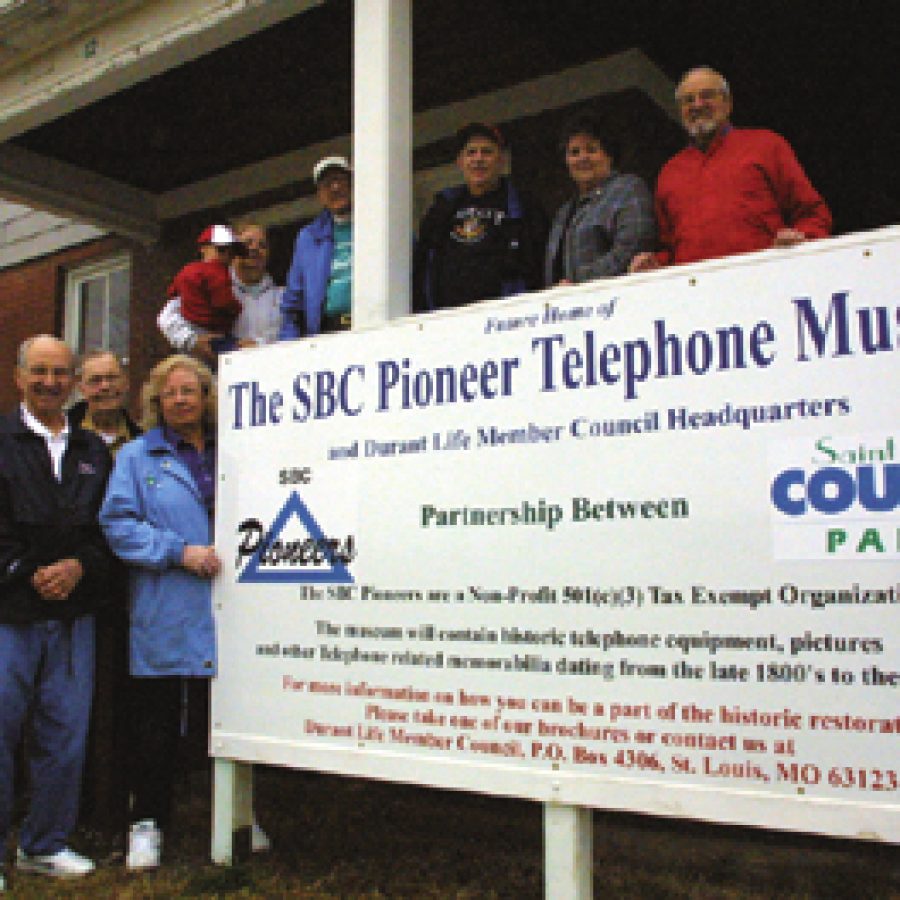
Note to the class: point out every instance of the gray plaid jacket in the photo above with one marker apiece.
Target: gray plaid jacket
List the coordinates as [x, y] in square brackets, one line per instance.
[607, 228]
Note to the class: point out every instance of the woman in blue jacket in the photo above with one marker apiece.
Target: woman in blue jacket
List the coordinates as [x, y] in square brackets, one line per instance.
[157, 517]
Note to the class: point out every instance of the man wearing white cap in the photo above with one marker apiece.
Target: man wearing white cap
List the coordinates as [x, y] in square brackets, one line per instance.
[317, 296]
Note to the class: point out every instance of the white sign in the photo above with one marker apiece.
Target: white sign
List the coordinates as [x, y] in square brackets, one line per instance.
[632, 545]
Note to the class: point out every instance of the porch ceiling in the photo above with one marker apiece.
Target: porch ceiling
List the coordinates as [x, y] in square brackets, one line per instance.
[821, 75]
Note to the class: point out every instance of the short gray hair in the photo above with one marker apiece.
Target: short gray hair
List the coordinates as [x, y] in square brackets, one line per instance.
[97, 354]
[242, 225]
[26, 345]
[726, 88]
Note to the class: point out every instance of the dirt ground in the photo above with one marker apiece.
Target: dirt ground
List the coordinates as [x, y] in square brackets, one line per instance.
[344, 838]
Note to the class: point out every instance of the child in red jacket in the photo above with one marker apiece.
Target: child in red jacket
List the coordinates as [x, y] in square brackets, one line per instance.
[207, 298]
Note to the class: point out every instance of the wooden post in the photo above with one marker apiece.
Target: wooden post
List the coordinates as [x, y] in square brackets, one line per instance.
[232, 810]
[568, 852]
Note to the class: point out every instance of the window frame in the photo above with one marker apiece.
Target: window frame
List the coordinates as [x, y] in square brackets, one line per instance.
[72, 307]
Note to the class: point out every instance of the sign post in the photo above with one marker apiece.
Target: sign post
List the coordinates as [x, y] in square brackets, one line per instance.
[382, 209]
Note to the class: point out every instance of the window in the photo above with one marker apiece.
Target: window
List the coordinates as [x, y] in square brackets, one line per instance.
[97, 303]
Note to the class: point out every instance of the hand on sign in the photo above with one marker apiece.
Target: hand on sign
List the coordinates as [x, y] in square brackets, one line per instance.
[788, 237]
[644, 262]
[201, 561]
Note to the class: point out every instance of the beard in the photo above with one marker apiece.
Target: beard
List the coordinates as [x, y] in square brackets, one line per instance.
[702, 131]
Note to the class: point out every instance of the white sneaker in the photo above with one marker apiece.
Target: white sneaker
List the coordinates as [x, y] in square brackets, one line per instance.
[65, 863]
[259, 840]
[144, 845]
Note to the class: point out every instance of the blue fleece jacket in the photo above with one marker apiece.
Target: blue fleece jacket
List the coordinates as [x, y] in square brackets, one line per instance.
[307, 280]
[152, 509]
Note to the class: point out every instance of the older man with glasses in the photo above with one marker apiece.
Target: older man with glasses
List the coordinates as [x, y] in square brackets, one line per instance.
[732, 190]
[318, 293]
[103, 382]
[54, 570]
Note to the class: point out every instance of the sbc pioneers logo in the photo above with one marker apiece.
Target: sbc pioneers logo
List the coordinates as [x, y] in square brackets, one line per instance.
[848, 495]
[268, 556]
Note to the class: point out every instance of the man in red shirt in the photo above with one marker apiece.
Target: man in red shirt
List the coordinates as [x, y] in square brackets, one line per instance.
[733, 190]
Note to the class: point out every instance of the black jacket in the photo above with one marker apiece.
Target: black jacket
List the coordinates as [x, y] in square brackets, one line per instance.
[520, 267]
[43, 520]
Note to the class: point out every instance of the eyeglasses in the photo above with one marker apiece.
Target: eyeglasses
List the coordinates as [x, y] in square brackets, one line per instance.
[703, 96]
[184, 391]
[44, 371]
[334, 181]
[97, 380]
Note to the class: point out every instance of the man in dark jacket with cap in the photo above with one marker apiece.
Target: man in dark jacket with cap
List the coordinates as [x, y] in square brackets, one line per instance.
[482, 239]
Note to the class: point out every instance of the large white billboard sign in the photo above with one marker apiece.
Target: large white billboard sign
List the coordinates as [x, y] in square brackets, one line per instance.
[635, 546]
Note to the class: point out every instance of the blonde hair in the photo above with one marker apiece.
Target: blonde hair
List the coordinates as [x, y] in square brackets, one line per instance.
[151, 410]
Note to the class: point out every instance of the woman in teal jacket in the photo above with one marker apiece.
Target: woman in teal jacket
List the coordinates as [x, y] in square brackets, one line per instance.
[157, 518]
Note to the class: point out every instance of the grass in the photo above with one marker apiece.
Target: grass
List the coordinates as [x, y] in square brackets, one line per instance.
[346, 838]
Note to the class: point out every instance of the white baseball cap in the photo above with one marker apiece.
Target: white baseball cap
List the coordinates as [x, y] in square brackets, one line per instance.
[330, 162]
[222, 236]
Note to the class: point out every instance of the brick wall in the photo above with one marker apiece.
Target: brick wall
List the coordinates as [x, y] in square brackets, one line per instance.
[151, 271]
[31, 302]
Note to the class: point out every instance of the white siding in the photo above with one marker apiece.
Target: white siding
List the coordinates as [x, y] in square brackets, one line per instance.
[27, 233]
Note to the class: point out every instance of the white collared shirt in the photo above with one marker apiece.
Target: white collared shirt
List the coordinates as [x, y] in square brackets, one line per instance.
[56, 443]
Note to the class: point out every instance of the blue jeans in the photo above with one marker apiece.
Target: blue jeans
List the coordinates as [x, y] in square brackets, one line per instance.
[46, 685]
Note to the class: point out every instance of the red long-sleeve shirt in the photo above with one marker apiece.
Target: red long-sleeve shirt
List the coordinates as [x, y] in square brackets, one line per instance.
[207, 298]
[734, 197]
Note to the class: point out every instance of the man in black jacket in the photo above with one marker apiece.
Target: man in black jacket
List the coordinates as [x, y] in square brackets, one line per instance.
[482, 239]
[103, 383]
[54, 567]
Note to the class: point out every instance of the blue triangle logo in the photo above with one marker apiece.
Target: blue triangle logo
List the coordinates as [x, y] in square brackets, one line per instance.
[256, 573]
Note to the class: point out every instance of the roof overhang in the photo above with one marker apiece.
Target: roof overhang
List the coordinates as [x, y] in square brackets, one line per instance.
[56, 57]
[83, 52]
[113, 205]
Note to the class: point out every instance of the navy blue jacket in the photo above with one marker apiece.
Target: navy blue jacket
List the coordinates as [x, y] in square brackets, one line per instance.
[525, 227]
[43, 520]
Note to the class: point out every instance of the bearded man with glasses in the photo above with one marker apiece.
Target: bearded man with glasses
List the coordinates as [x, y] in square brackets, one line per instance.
[732, 190]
